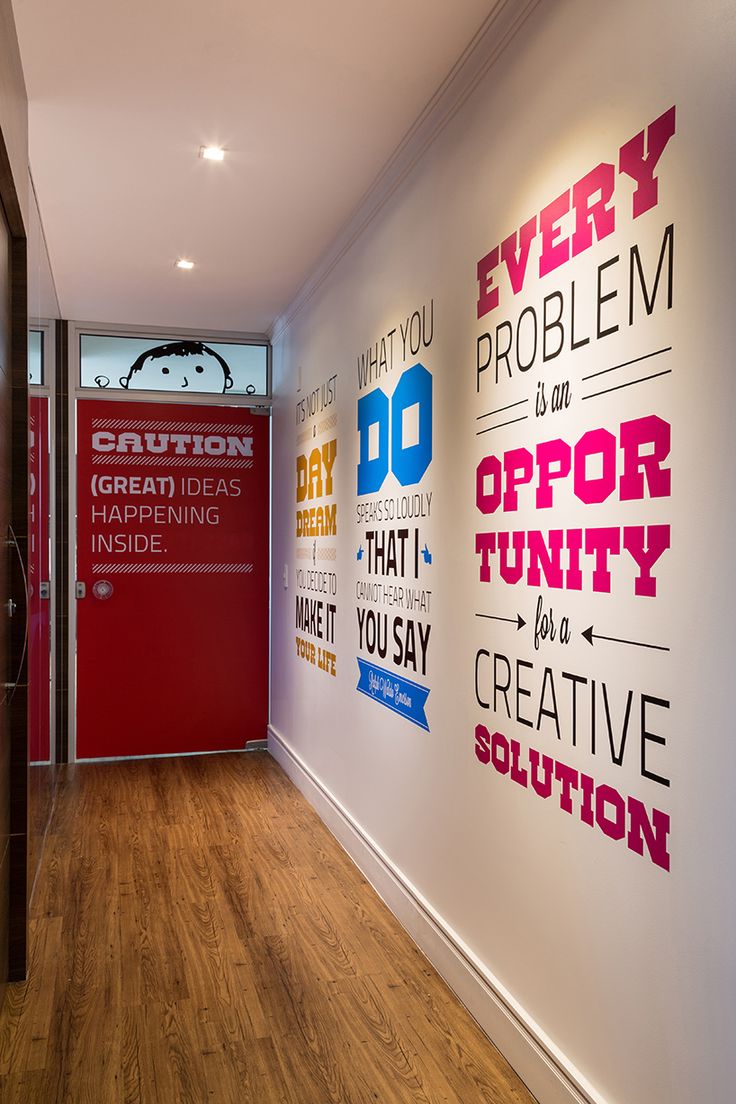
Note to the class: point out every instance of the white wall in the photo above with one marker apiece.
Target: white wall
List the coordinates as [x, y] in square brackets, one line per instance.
[623, 970]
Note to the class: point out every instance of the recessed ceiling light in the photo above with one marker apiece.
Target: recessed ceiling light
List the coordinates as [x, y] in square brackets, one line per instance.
[182, 263]
[212, 153]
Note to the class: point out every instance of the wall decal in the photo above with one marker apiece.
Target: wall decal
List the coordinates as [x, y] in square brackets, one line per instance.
[572, 492]
[184, 359]
[395, 438]
[317, 518]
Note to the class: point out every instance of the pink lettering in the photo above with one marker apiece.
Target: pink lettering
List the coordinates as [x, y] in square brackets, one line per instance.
[554, 252]
[640, 166]
[636, 435]
[548, 558]
[592, 200]
[613, 826]
[646, 554]
[486, 500]
[599, 542]
[599, 806]
[518, 467]
[500, 752]
[590, 489]
[601, 179]
[553, 462]
[487, 293]
[518, 243]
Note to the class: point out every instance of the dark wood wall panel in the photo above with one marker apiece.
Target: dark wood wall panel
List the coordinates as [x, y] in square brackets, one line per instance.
[5, 574]
[14, 484]
[4, 863]
[13, 123]
[18, 857]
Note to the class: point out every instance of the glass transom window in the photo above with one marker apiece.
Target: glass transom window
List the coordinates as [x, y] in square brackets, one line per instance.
[112, 362]
[35, 356]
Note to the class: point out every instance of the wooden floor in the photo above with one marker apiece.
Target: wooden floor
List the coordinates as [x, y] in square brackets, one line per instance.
[198, 936]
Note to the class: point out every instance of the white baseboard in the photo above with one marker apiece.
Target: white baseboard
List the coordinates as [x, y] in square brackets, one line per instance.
[546, 1071]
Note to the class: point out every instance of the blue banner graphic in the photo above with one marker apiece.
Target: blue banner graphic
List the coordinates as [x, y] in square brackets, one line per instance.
[399, 694]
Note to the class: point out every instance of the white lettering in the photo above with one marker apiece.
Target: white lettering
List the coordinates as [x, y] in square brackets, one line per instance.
[181, 444]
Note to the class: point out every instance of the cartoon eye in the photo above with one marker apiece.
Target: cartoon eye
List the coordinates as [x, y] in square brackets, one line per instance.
[165, 371]
[199, 368]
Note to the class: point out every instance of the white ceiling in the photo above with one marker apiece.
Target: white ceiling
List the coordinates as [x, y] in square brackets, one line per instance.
[309, 97]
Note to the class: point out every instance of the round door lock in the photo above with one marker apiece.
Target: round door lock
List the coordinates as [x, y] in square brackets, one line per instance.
[102, 589]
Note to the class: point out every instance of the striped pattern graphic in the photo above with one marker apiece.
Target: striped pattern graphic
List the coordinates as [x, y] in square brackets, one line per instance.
[145, 426]
[322, 554]
[161, 460]
[173, 568]
[327, 423]
[316, 429]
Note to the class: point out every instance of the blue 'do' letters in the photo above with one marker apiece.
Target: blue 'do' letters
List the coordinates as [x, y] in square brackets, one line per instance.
[373, 409]
[408, 463]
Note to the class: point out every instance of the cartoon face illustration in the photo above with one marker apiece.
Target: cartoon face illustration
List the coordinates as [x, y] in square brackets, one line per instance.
[179, 365]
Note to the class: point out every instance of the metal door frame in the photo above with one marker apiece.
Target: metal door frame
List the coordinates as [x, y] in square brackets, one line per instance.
[47, 389]
[259, 403]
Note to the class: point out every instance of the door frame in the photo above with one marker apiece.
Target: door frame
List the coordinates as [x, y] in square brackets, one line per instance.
[13, 204]
[47, 390]
[259, 404]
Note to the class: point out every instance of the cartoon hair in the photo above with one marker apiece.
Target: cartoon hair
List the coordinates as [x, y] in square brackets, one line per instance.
[181, 349]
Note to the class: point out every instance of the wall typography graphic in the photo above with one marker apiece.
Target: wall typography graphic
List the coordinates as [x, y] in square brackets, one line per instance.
[394, 504]
[149, 505]
[317, 527]
[172, 558]
[572, 494]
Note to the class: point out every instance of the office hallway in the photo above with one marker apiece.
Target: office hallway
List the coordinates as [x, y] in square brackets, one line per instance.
[198, 935]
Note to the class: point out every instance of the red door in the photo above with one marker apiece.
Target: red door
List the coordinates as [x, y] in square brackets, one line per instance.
[172, 558]
[39, 605]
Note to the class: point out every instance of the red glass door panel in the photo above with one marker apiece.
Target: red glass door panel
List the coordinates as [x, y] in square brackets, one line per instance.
[172, 552]
[39, 605]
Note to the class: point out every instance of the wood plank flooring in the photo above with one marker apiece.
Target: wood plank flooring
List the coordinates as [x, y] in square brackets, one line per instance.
[198, 936]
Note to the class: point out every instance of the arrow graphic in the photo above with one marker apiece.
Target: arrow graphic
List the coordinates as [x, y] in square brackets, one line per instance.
[590, 636]
[518, 620]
